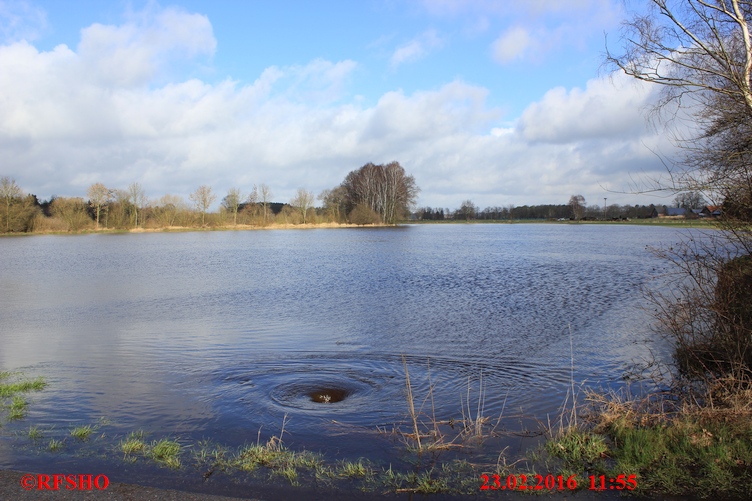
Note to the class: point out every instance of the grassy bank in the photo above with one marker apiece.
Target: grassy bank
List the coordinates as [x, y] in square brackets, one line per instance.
[671, 447]
[182, 229]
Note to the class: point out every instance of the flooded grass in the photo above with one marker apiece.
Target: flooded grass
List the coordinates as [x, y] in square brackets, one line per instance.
[34, 433]
[82, 432]
[55, 445]
[12, 385]
[134, 444]
[165, 452]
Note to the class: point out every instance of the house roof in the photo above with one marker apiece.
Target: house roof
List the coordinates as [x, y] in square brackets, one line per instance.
[675, 211]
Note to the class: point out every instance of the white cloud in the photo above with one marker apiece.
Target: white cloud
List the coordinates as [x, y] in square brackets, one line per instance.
[133, 53]
[67, 121]
[511, 45]
[416, 48]
[606, 108]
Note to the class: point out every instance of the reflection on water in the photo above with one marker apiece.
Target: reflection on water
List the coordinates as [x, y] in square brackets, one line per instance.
[217, 334]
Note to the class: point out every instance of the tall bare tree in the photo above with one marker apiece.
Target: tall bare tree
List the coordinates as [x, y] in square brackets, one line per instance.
[232, 202]
[137, 199]
[265, 197]
[303, 201]
[202, 199]
[99, 197]
[700, 53]
[577, 206]
[467, 210]
[9, 191]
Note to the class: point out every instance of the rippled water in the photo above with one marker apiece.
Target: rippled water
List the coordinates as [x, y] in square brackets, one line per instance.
[220, 334]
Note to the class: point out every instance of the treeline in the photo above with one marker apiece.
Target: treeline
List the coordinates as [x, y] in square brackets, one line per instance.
[468, 211]
[373, 194]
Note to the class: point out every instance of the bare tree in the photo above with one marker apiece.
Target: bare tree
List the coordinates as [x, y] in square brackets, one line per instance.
[168, 207]
[9, 191]
[137, 199]
[577, 205]
[99, 197]
[690, 200]
[232, 202]
[303, 201]
[467, 210]
[335, 203]
[700, 52]
[265, 196]
[202, 199]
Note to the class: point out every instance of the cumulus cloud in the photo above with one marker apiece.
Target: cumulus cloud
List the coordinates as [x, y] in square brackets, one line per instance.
[133, 53]
[67, 122]
[416, 48]
[606, 108]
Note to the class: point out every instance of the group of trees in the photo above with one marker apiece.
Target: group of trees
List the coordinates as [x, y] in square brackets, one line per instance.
[371, 194]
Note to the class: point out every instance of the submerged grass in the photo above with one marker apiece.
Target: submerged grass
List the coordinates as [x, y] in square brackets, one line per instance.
[82, 433]
[165, 452]
[133, 444]
[12, 385]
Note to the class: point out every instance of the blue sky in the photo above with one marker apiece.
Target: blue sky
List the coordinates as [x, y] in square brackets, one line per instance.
[498, 102]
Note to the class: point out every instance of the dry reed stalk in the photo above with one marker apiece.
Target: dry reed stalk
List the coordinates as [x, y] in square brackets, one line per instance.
[411, 404]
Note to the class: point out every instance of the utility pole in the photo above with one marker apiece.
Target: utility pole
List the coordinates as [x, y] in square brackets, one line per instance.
[604, 208]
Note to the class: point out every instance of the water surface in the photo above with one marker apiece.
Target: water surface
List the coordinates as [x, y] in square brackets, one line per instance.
[221, 334]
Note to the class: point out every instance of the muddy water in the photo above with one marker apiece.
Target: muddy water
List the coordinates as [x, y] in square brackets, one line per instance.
[220, 335]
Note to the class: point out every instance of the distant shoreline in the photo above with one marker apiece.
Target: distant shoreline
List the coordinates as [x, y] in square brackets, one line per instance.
[680, 223]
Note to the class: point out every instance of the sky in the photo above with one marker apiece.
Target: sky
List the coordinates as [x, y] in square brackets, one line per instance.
[493, 101]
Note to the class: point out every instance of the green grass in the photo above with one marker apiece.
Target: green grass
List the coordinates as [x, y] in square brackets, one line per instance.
[349, 469]
[165, 452]
[11, 386]
[34, 433]
[577, 446]
[17, 409]
[55, 445]
[82, 432]
[134, 443]
[686, 457]
[23, 386]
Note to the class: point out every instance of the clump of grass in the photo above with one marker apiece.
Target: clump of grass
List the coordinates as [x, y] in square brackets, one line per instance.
[34, 433]
[18, 408]
[134, 443]
[9, 389]
[290, 473]
[11, 384]
[82, 433]
[55, 445]
[576, 446]
[165, 452]
[349, 469]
